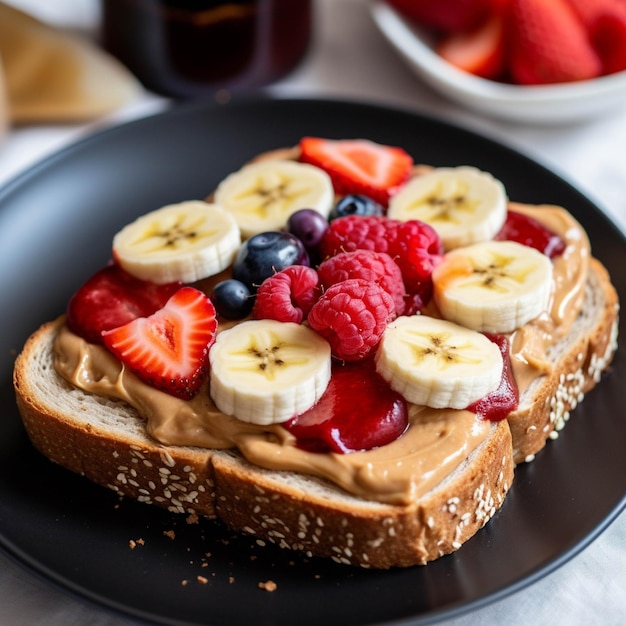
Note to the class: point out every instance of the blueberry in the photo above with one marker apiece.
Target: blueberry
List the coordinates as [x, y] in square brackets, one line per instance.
[232, 299]
[265, 254]
[356, 204]
[308, 226]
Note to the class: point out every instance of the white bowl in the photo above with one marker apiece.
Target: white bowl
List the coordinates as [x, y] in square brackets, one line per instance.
[537, 104]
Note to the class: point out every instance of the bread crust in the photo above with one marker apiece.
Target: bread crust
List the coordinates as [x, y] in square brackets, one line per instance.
[299, 515]
[586, 353]
[65, 425]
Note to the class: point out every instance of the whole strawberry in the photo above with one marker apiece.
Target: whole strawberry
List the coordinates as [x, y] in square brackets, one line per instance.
[609, 37]
[605, 23]
[448, 16]
[480, 51]
[548, 43]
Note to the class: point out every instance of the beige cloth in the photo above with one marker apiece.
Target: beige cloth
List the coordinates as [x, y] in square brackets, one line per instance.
[50, 75]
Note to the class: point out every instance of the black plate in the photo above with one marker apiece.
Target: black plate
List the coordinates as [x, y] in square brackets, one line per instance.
[56, 224]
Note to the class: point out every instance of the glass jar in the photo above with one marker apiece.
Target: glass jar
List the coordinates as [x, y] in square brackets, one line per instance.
[189, 48]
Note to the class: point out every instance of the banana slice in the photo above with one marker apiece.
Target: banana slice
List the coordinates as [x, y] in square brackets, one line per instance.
[186, 241]
[436, 363]
[263, 195]
[264, 371]
[494, 286]
[463, 204]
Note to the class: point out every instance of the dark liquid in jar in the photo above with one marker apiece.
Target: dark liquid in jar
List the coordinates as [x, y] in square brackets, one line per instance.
[194, 47]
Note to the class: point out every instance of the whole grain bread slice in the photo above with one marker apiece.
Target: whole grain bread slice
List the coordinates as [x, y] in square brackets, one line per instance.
[105, 440]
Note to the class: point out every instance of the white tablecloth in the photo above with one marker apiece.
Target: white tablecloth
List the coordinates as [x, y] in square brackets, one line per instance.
[351, 60]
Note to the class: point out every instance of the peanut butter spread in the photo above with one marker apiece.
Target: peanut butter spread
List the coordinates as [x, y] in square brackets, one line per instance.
[436, 442]
[530, 344]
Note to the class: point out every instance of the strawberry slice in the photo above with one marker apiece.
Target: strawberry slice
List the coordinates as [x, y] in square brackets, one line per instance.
[359, 166]
[480, 51]
[548, 43]
[169, 349]
[111, 298]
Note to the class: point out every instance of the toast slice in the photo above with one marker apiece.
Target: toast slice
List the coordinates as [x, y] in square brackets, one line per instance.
[106, 441]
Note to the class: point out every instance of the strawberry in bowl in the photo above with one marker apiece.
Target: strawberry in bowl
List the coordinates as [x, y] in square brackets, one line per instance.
[556, 61]
[526, 42]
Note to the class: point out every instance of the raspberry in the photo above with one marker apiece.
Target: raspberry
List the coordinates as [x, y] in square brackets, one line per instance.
[413, 245]
[352, 316]
[375, 267]
[416, 248]
[288, 295]
[346, 234]
[415, 302]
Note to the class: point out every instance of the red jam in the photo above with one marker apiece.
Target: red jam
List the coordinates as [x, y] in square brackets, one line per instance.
[528, 231]
[499, 403]
[358, 411]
